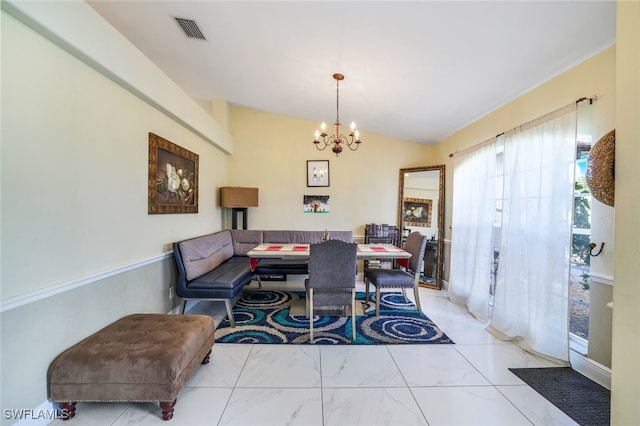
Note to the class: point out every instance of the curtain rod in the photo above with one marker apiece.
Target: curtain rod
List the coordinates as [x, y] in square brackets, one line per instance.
[591, 100]
[488, 141]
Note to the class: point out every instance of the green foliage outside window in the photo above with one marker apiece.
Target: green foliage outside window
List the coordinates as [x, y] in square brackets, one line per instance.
[581, 219]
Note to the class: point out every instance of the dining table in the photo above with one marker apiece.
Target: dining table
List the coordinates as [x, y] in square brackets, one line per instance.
[301, 251]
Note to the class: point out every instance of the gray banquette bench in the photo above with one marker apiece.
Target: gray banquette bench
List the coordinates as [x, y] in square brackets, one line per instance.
[216, 267]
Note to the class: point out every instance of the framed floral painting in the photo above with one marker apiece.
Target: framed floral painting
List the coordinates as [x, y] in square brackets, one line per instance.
[173, 178]
[417, 212]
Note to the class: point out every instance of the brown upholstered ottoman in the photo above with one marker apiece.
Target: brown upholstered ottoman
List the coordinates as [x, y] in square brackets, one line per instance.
[141, 357]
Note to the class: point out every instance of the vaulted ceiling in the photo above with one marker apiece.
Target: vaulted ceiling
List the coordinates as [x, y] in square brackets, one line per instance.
[416, 70]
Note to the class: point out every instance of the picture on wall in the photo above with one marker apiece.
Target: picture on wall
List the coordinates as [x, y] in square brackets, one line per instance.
[173, 178]
[316, 204]
[417, 212]
[318, 173]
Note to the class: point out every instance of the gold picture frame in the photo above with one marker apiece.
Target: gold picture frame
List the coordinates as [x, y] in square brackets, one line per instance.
[173, 178]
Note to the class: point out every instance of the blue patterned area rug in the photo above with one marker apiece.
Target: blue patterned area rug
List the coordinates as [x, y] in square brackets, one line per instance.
[264, 316]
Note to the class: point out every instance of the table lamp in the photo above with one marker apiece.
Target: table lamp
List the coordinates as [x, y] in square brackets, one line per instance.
[238, 199]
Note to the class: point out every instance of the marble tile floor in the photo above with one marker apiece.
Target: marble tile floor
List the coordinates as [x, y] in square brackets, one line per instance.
[467, 383]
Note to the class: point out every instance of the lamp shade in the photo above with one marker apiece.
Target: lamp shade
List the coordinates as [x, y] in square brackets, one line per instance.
[235, 196]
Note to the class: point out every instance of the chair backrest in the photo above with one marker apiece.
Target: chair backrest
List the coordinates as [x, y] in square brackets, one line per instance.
[416, 244]
[332, 264]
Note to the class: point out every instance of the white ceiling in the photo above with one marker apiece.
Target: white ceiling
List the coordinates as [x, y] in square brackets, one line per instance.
[417, 70]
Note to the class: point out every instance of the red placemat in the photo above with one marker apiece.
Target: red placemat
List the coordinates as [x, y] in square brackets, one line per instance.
[300, 248]
[274, 248]
[378, 248]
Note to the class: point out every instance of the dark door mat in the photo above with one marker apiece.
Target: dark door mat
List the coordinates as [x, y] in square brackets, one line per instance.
[582, 399]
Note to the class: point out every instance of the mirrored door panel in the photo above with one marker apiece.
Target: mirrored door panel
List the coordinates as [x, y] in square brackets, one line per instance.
[421, 209]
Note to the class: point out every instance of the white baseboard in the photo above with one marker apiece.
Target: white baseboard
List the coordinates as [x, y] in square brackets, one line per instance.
[445, 285]
[176, 310]
[591, 369]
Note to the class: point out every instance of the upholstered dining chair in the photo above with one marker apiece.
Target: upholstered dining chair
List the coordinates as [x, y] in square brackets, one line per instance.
[332, 278]
[399, 278]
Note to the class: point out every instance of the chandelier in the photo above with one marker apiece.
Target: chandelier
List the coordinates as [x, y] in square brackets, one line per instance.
[337, 139]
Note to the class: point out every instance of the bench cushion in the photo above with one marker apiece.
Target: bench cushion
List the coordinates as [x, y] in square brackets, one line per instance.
[346, 236]
[292, 237]
[140, 357]
[201, 255]
[244, 240]
[303, 237]
[222, 282]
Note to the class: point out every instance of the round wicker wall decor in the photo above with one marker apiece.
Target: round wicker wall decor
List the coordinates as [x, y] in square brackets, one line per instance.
[600, 171]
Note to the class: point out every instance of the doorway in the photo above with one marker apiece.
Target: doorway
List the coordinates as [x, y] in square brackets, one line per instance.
[579, 284]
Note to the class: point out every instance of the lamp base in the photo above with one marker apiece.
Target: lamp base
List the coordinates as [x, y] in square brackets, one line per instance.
[234, 217]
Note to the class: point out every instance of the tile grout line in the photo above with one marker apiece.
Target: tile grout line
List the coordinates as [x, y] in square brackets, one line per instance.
[424, 416]
[495, 386]
[514, 405]
[321, 385]
[233, 389]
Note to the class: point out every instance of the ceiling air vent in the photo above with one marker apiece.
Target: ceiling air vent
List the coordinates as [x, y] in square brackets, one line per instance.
[190, 28]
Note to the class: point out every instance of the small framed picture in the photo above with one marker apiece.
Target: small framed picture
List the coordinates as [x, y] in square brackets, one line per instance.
[316, 204]
[317, 172]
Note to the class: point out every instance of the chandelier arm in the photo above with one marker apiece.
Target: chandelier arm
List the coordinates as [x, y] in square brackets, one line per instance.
[325, 142]
[356, 143]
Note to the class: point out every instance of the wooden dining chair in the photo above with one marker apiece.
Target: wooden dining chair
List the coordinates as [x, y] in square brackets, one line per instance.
[399, 278]
[332, 279]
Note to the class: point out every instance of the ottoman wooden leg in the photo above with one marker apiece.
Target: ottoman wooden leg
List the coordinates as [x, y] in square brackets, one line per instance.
[207, 357]
[167, 409]
[68, 409]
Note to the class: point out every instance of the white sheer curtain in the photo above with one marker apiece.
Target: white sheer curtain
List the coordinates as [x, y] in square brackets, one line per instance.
[472, 226]
[531, 295]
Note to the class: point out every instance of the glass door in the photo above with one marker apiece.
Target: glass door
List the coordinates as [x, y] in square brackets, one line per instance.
[579, 296]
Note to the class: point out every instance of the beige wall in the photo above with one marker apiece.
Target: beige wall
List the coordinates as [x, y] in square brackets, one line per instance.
[271, 153]
[78, 247]
[74, 169]
[625, 394]
[594, 76]
[600, 322]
